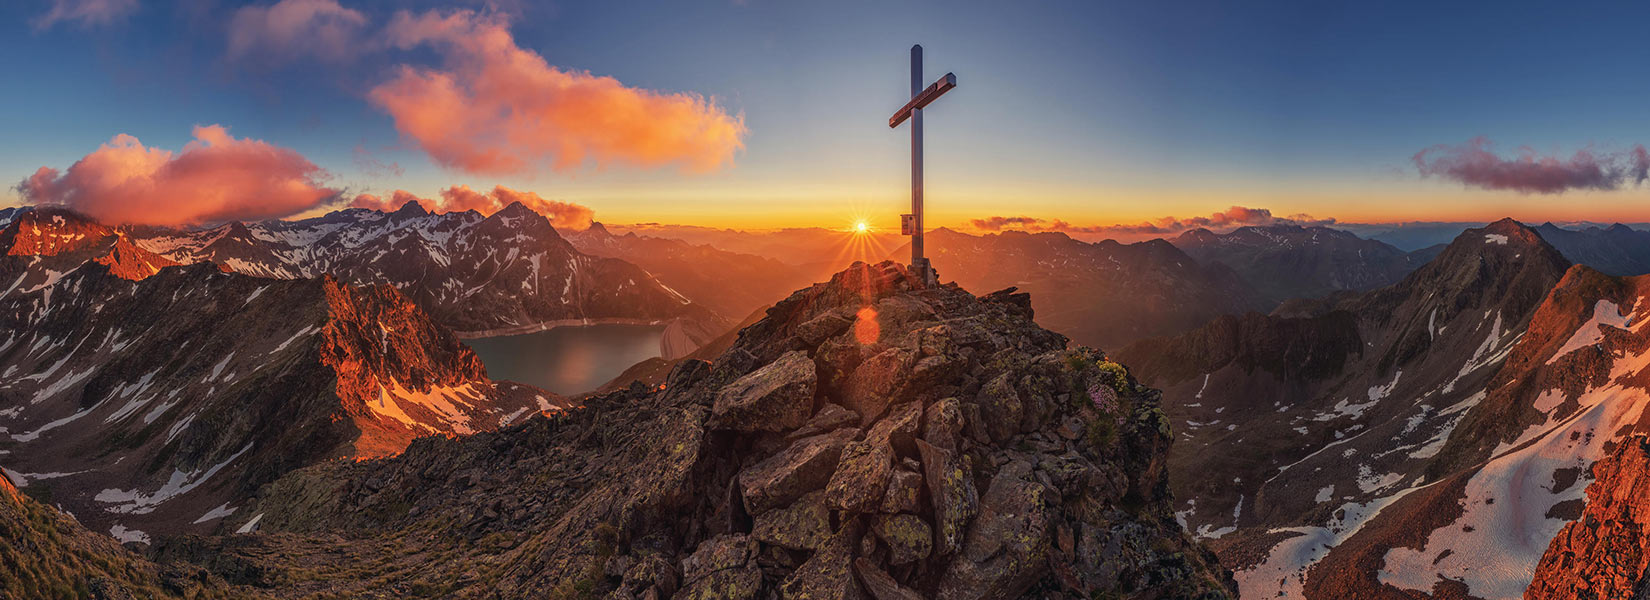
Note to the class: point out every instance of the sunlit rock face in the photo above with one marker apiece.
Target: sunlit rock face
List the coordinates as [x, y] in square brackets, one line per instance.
[995, 463]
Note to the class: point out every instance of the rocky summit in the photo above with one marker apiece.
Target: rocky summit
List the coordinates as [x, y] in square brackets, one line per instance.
[868, 438]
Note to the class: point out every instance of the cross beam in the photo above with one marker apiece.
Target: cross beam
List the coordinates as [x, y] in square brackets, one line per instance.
[920, 97]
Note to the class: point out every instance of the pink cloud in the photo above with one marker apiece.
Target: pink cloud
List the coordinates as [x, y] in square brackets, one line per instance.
[493, 107]
[85, 12]
[459, 198]
[296, 28]
[1475, 164]
[215, 178]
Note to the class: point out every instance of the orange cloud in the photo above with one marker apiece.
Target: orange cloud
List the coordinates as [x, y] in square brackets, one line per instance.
[86, 12]
[459, 198]
[292, 28]
[215, 178]
[494, 107]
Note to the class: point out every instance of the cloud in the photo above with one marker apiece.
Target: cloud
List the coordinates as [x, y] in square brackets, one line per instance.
[1475, 164]
[215, 178]
[87, 13]
[493, 107]
[297, 28]
[459, 198]
[1231, 218]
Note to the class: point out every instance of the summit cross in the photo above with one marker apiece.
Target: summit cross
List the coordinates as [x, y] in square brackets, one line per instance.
[911, 224]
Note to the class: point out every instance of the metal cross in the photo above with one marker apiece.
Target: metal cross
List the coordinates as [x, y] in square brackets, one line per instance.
[911, 224]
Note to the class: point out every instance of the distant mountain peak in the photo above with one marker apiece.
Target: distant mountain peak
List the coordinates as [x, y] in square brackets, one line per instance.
[411, 209]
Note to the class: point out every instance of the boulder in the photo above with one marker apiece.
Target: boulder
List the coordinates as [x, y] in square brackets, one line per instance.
[879, 584]
[804, 466]
[816, 330]
[873, 385]
[804, 525]
[908, 537]
[942, 425]
[951, 491]
[830, 417]
[722, 567]
[899, 429]
[827, 574]
[904, 492]
[861, 478]
[776, 397]
[1000, 408]
[1008, 546]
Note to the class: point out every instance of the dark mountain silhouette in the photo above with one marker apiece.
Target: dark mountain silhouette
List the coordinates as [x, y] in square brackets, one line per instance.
[1289, 261]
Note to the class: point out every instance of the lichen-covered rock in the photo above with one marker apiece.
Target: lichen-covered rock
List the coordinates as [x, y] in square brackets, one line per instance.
[721, 569]
[876, 381]
[1007, 546]
[861, 478]
[830, 417]
[899, 428]
[828, 575]
[804, 525]
[1000, 407]
[880, 585]
[908, 537]
[942, 425]
[904, 491]
[776, 397]
[952, 493]
[802, 467]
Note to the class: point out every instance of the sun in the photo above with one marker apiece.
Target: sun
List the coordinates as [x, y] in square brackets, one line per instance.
[861, 227]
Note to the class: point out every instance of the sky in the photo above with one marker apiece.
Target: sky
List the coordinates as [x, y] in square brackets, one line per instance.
[763, 114]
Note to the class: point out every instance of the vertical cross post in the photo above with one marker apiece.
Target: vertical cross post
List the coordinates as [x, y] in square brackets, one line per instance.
[920, 97]
[918, 262]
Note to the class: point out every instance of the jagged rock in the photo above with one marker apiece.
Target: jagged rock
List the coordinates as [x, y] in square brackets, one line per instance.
[1000, 408]
[781, 479]
[804, 525]
[943, 424]
[776, 397]
[908, 537]
[826, 575]
[721, 568]
[935, 341]
[861, 478]
[952, 493]
[821, 327]
[904, 492]
[898, 429]
[879, 584]
[830, 417]
[872, 385]
[1007, 545]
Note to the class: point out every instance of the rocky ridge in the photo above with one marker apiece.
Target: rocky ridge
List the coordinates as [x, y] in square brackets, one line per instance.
[868, 438]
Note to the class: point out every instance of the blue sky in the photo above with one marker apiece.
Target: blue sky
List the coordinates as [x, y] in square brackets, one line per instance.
[1094, 112]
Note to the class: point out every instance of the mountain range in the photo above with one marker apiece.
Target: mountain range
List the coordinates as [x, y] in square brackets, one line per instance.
[139, 398]
[1429, 438]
